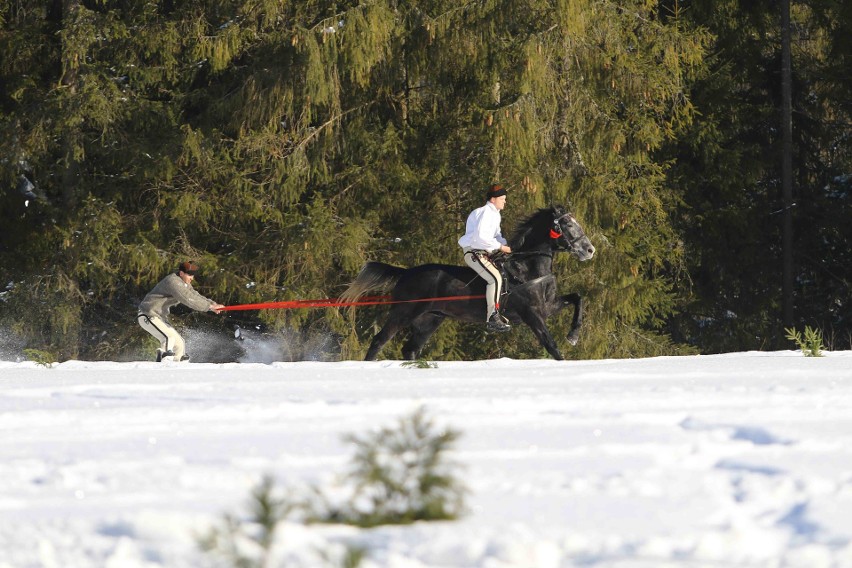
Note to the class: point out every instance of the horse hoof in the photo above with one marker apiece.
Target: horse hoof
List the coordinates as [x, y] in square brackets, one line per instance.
[573, 340]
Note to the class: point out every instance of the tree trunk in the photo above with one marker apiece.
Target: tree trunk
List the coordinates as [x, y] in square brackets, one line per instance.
[69, 80]
[787, 164]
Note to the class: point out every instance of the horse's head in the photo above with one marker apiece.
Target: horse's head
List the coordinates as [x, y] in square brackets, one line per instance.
[568, 235]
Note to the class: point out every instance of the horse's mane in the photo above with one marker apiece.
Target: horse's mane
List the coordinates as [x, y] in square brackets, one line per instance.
[535, 224]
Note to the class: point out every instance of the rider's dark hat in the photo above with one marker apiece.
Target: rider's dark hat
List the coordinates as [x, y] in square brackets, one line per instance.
[495, 190]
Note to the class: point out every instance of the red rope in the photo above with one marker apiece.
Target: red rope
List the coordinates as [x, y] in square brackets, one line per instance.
[333, 303]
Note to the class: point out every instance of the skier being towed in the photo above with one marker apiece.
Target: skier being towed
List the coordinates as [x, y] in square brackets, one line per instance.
[174, 289]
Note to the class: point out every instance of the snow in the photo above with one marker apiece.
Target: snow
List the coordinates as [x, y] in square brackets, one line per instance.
[741, 459]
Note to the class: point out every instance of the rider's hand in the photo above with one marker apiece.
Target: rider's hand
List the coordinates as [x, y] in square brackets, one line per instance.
[216, 308]
[506, 249]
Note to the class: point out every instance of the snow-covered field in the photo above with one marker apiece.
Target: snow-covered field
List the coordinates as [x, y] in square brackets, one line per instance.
[733, 460]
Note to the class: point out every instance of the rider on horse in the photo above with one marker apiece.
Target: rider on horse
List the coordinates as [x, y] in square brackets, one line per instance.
[481, 240]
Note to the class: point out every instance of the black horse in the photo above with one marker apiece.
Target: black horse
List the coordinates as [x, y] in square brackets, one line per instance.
[529, 286]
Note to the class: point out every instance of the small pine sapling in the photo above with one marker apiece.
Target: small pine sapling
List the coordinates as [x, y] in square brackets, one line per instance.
[811, 344]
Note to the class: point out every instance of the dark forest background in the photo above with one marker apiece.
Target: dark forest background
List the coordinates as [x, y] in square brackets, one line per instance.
[282, 144]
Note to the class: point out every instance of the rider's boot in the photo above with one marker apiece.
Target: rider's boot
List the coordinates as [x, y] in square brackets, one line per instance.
[498, 323]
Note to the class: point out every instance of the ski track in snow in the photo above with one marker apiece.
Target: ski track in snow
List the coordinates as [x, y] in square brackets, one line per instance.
[737, 460]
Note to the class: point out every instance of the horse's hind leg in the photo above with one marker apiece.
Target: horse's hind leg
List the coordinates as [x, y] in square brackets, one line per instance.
[421, 330]
[399, 318]
[386, 334]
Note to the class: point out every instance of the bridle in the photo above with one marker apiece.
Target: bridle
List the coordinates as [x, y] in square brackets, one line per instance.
[556, 231]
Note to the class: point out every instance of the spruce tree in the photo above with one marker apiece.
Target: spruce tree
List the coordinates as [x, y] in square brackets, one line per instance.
[283, 144]
[728, 167]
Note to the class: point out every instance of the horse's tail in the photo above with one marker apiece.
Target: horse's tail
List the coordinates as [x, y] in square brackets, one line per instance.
[373, 276]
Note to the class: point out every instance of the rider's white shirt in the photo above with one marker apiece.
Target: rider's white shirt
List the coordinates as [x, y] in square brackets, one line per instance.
[482, 230]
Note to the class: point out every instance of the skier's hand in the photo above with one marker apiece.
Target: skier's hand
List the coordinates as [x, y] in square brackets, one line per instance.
[216, 308]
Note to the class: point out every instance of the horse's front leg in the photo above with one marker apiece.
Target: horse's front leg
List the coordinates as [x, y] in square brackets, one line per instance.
[539, 328]
[577, 321]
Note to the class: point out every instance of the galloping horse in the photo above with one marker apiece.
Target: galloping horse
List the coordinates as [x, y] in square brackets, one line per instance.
[530, 286]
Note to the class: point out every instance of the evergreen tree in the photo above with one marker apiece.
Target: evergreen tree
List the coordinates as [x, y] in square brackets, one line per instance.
[728, 167]
[283, 144]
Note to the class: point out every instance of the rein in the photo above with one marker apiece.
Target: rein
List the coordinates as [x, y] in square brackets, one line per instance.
[530, 253]
[510, 268]
[533, 282]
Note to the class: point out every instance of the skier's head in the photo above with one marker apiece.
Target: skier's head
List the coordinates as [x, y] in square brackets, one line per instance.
[188, 268]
